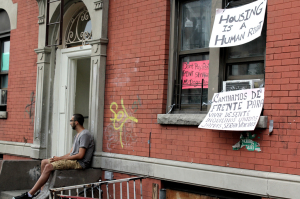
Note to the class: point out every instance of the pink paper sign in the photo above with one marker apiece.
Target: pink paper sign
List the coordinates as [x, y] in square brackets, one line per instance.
[193, 73]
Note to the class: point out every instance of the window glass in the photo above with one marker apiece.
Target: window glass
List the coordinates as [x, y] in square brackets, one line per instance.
[256, 68]
[4, 52]
[195, 24]
[246, 61]
[4, 81]
[5, 56]
[3, 97]
[194, 70]
[252, 49]
[79, 29]
[4, 21]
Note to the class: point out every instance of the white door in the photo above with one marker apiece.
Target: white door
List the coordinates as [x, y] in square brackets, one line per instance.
[69, 95]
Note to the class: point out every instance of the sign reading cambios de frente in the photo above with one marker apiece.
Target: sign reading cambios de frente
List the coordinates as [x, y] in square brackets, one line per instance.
[235, 110]
[238, 25]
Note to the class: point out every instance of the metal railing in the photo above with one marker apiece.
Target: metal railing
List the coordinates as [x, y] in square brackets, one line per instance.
[89, 190]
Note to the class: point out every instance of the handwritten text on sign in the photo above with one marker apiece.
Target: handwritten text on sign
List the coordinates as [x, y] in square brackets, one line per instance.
[236, 110]
[238, 25]
[193, 73]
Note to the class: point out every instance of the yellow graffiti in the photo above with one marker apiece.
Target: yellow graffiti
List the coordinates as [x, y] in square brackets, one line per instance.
[118, 119]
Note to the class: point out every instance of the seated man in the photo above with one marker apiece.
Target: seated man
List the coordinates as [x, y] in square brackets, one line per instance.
[78, 158]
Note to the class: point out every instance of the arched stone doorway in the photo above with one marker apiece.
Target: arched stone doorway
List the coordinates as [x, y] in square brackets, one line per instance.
[57, 71]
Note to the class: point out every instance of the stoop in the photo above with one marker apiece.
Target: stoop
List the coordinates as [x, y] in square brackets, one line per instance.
[19, 176]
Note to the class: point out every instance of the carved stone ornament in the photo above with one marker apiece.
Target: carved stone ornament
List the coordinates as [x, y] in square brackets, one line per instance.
[95, 47]
[41, 17]
[41, 55]
[98, 5]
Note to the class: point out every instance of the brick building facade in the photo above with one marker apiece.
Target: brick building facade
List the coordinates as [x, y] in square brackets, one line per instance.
[22, 75]
[132, 55]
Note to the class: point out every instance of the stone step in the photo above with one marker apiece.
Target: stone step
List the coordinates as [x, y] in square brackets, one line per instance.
[10, 194]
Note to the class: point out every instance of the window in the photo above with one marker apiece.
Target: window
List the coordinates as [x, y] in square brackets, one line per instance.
[79, 30]
[4, 57]
[196, 71]
[246, 61]
[191, 78]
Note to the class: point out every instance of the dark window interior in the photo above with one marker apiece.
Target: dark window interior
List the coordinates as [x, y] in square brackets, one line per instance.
[220, 194]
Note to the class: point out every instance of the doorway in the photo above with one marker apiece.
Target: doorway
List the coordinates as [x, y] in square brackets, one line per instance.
[71, 95]
[82, 91]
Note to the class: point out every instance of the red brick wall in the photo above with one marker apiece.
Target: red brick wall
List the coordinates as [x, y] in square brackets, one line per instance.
[136, 71]
[18, 127]
[12, 157]
[282, 85]
[137, 61]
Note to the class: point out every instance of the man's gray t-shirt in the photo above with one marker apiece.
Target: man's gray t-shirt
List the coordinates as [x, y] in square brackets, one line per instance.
[84, 140]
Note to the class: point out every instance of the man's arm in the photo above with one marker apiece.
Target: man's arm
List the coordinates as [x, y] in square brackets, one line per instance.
[78, 156]
[68, 154]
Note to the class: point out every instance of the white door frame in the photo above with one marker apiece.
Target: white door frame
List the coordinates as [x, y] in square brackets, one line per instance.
[64, 97]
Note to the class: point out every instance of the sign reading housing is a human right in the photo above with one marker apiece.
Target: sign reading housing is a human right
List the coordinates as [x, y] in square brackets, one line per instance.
[238, 25]
[235, 110]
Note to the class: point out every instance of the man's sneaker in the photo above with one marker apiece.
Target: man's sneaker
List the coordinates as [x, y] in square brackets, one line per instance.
[36, 194]
[23, 196]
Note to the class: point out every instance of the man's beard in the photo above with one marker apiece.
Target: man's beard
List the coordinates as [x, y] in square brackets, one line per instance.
[73, 126]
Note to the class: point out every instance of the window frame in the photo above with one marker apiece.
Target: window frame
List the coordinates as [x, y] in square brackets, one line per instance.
[5, 36]
[243, 59]
[181, 54]
[217, 57]
[174, 56]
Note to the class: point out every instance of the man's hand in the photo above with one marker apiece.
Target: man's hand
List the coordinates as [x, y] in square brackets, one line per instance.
[77, 156]
[54, 159]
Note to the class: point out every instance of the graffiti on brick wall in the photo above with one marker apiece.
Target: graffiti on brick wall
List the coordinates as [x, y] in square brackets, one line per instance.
[136, 104]
[29, 108]
[246, 140]
[122, 129]
[120, 118]
[127, 135]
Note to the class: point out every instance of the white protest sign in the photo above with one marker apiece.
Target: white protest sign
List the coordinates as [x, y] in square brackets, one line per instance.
[235, 110]
[238, 25]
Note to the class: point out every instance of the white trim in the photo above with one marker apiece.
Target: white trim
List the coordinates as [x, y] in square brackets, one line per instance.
[78, 52]
[64, 100]
[15, 148]
[265, 184]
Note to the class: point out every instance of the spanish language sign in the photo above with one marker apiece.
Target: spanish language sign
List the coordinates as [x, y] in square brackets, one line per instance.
[238, 25]
[235, 110]
[193, 73]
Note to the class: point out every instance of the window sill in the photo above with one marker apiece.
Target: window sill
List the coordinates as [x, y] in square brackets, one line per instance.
[3, 114]
[196, 119]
